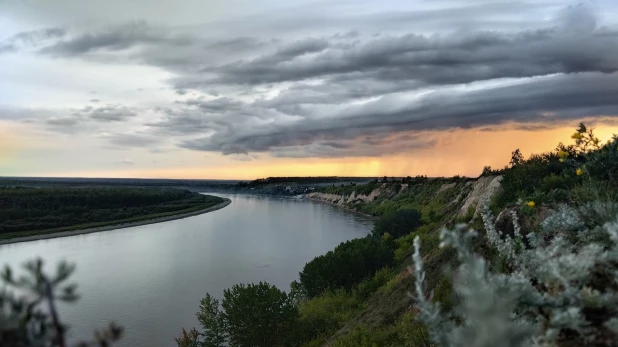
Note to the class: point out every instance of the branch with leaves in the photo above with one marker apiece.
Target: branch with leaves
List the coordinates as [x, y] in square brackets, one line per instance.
[29, 315]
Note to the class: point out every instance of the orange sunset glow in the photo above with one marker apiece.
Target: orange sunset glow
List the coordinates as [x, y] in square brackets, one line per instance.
[458, 152]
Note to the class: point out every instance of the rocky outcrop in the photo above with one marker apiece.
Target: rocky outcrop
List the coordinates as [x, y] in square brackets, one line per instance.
[446, 186]
[483, 188]
[468, 197]
[341, 200]
[330, 198]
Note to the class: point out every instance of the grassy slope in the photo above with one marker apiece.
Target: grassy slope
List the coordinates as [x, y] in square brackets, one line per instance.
[569, 175]
[387, 310]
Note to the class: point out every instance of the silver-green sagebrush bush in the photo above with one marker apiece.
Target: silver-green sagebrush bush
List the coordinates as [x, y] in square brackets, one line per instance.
[561, 287]
[28, 309]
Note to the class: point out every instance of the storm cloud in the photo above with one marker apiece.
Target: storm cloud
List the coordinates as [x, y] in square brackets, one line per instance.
[574, 96]
[335, 85]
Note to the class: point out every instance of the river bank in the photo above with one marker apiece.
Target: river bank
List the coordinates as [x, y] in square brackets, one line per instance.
[113, 226]
[343, 207]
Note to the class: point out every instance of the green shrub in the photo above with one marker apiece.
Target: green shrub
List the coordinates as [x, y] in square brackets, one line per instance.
[444, 293]
[398, 223]
[258, 315]
[325, 314]
[345, 266]
[559, 288]
[550, 176]
[369, 286]
[405, 333]
[390, 285]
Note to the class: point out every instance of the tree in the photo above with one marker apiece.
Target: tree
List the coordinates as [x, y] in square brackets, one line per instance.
[398, 223]
[516, 158]
[211, 319]
[345, 266]
[258, 315]
[32, 318]
[487, 171]
[297, 293]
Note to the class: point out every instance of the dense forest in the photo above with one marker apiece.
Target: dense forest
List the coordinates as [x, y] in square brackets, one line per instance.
[25, 211]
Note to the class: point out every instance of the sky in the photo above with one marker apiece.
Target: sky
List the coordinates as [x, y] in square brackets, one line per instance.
[242, 89]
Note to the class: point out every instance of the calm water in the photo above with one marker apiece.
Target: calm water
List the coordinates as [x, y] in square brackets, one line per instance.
[150, 279]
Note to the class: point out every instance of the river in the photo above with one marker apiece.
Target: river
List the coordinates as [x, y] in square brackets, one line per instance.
[150, 278]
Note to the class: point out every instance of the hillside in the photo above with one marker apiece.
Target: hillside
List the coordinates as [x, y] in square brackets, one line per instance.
[440, 270]
[442, 201]
[528, 195]
[436, 198]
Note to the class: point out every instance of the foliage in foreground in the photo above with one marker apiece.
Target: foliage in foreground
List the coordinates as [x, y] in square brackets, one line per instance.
[560, 288]
[258, 315]
[31, 319]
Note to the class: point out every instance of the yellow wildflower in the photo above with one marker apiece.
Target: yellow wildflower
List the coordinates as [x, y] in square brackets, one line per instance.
[577, 136]
[579, 172]
[562, 155]
[530, 203]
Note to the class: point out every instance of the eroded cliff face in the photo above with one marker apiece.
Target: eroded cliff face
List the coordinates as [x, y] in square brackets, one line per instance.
[343, 199]
[467, 195]
[482, 189]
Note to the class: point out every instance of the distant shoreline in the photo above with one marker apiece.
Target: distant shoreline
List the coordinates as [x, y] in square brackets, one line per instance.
[54, 235]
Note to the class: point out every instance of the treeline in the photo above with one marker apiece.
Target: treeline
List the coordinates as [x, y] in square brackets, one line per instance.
[301, 180]
[37, 209]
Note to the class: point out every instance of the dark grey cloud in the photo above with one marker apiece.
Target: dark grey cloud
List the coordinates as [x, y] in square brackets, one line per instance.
[67, 121]
[336, 84]
[32, 38]
[217, 105]
[210, 116]
[131, 139]
[461, 58]
[107, 113]
[85, 119]
[239, 44]
[572, 96]
[375, 146]
[299, 48]
[116, 38]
